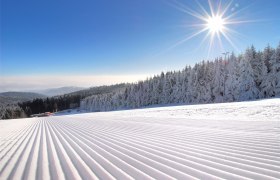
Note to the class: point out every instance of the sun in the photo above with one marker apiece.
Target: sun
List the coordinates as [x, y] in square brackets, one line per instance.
[216, 24]
[215, 21]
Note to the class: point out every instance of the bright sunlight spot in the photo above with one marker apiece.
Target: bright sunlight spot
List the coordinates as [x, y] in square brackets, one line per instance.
[215, 24]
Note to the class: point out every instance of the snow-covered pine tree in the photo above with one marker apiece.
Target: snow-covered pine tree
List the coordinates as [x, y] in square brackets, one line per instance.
[269, 82]
[231, 84]
[219, 80]
[259, 69]
[248, 89]
[193, 85]
[185, 84]
[276, 69]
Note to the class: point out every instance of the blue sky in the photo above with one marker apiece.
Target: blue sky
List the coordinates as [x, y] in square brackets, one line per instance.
[117, 38]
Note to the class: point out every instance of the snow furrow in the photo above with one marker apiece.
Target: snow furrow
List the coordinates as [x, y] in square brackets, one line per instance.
[20, 167]
[189, 140]
[67, 165]
[185, 138]
[92, 152]
[137, 141]
[129, 159]
[13, 141]
[97, 140]
[205, 134]
[9, 159]
[80, 166]
[54, 160]
[171, 144]
[118, 139]
[86, 159]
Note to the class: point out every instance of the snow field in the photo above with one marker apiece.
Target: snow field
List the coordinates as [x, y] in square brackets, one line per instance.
[156, 143]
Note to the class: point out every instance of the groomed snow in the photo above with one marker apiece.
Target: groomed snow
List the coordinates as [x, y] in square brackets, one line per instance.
[217, 141]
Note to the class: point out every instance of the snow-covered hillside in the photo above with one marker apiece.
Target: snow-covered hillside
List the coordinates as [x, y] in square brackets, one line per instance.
[248, 76]
[217, 141]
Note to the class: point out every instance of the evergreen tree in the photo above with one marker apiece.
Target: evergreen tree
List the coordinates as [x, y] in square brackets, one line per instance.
[248, 89]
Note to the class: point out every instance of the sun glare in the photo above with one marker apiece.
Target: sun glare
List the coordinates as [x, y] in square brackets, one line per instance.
[215, 24]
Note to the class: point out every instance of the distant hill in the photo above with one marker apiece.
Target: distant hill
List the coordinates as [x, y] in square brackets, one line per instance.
[59, 91]
[15, 97]
[98, 90]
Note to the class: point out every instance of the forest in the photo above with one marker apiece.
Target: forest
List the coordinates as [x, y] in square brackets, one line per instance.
[248, 76]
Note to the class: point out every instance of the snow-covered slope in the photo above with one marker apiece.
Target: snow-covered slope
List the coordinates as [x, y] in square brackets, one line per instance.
[218, 141]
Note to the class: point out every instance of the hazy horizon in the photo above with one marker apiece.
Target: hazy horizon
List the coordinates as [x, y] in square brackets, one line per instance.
[33, 83]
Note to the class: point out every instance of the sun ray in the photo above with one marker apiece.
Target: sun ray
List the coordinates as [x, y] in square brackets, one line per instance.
[217, 21]
[187, 10]
[219, 7]
[202, 8]
[209, 47]
[194, 25]
[232, 32]
[210, 44]
[230, 41]
[226, 8]
[211, 8]
[203, 41]
[220, 41]
[188, 38]
[243, 21]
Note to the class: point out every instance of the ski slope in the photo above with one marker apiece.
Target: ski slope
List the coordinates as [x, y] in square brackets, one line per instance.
[216, 141]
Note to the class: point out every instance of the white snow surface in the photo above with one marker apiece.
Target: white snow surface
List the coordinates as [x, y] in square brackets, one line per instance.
[213, 141]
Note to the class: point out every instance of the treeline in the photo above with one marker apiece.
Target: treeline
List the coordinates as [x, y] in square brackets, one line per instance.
[67, 101]
[9, 108]
[52, 104]
[252, 75]
[11, 111]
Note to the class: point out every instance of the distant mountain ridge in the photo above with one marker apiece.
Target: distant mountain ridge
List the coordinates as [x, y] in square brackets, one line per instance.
[59, 91]
[15, 97]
